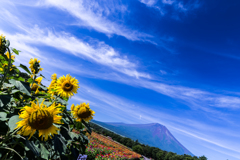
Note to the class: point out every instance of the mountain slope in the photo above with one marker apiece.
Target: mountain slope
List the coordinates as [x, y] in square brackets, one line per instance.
[153, 134]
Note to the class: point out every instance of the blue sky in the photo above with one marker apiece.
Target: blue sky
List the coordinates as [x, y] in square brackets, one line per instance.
[173, 62]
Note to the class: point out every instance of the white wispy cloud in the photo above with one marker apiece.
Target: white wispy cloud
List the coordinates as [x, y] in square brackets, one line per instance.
[92, 15]
[178, 124]
[195, 98]
[106, 55]
[98, 52]
[149, 2]
[93, 50]
[178, 6]
[170, 2]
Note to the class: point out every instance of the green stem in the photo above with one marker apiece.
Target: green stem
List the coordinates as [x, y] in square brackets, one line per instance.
[65, 111]
[8, 69]
[8, 152]
[9, 135]
[53, 155]
[33, 82]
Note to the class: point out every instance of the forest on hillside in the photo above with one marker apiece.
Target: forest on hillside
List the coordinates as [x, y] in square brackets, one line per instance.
[145, 150]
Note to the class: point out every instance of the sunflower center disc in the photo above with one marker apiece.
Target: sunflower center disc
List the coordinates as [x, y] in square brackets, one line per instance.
[67, 86]
[41, 119]
[83, 113]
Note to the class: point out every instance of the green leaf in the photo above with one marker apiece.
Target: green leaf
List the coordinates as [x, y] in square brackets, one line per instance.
[32, 147]
[25, 68]
[7, 43]
[42, 76]
[22, 86]
[47, 103]
[4, 100]
[3, 116]
[62, 101]
[40, 100]
[30, 80]
[43, 87]
[65, 98]
[88, 127]
[15, 51]
[65, 133]
[44, 152]
[12, 122]
[85, 138]
[7, 85]
[15, 91]
[74, 152]
[73, 135]
[59, 144]
[3, 128]
[21, 79]
[79, 125]
[42, 96]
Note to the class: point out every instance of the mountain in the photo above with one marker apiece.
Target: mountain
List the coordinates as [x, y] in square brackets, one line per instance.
[153, 134]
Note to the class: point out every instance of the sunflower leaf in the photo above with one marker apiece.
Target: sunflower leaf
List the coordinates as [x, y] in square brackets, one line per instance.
[7, 43]
[7, 85]
[65, 133]
[14, 91]
[30, 80]
[88, 127]
[73, 135]
[75, 152]
[47, 103]
[4, 100]
[21, 79]
[59, 144]
[12, 122]
[85, 138]
[40, 100]
[43, 87]
[15, 51]
[44, 152]
[62, 101]
[22, 86]
[3, 128]
[42, 76]
[32, 147]
[25, 68]
[3, 116]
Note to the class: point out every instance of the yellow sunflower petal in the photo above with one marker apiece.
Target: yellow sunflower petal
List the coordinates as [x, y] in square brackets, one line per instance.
[38, 118]
[82, 112]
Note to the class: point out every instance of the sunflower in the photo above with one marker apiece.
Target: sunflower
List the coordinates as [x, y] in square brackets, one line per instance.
[82, 112]
[52, 84]
[35, 66]
[41, 118]
[2, 44]
[66, 86]
[5, 65]
[34, 86]
[12, 56]
[54, 76]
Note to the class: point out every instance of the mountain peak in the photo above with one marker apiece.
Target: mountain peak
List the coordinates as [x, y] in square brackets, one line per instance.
[152, 134]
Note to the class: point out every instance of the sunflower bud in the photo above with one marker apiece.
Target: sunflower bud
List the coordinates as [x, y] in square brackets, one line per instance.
[35, 65]
[3, 47]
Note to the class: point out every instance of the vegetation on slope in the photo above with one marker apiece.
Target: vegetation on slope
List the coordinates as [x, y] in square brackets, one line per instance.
[143, 149]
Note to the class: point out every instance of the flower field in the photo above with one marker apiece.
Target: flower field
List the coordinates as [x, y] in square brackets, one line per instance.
[101, 147]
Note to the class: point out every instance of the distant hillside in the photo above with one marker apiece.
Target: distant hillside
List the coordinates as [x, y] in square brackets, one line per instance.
[153, 134]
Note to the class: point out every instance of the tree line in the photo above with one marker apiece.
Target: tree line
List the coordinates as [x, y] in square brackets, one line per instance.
[145, 150]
